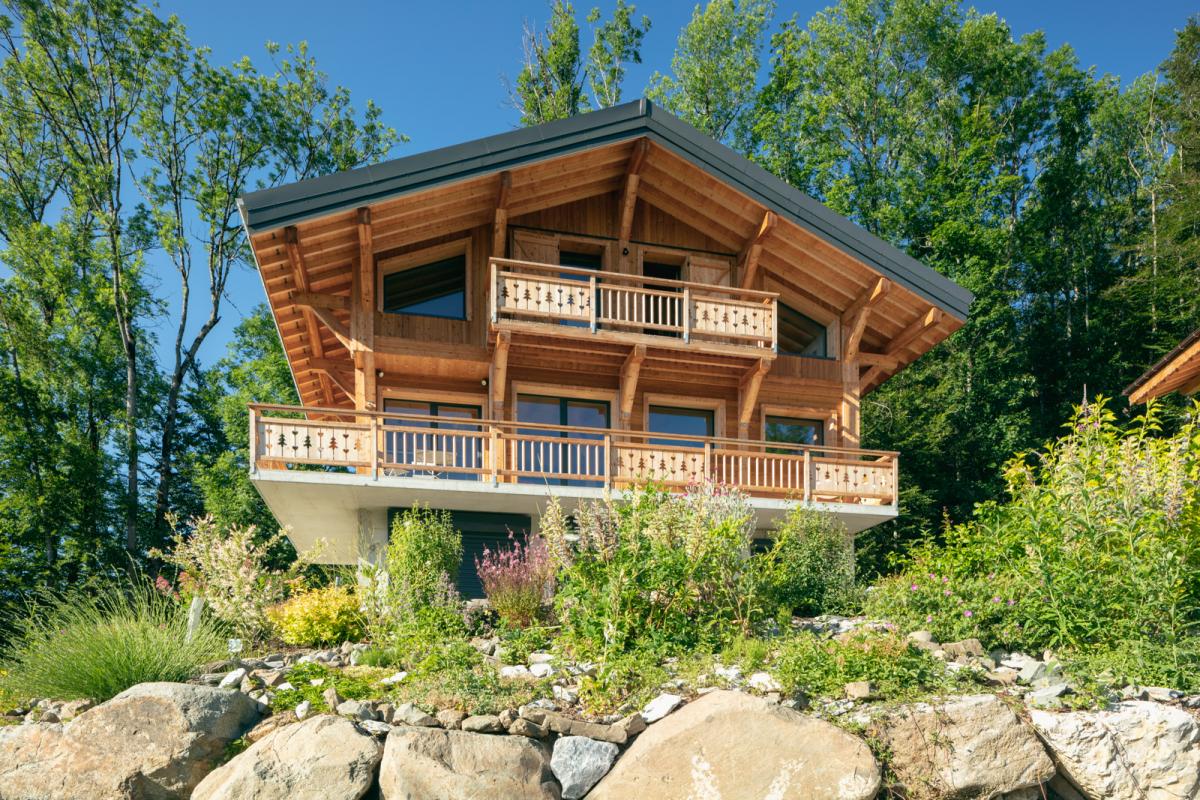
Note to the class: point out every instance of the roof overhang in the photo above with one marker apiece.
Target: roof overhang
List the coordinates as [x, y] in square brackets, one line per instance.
[272, 209]
[1178, 370]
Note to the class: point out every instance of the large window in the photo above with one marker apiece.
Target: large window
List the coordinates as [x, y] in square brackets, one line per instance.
[436, 289]
[569, 457]
[794, 431]
[680, 421]
[431, 448]
[801, 335]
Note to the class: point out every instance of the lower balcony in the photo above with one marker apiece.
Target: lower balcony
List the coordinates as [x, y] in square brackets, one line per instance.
[318, 469]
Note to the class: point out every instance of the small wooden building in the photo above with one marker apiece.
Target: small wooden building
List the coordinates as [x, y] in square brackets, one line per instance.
[1177, 371]
[570, 309]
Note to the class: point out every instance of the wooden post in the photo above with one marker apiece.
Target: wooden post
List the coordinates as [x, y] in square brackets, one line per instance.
[807, 475]
[495, 291]
[374, 447]
[253, 440]
[594, 301]
[608, 460]
[687, 314]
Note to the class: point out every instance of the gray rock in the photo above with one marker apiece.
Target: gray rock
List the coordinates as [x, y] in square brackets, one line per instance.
[375, 727]
[332, 698]
[860, 690]
[515, 671]
[408, 714]
[660, 706]
[451, 718]
[566, 694]
[356, 709]
[541, 670]
[579, 763]
[303, 708]
[482, 723]
[233, 679]
[1049, 696]
[524, 727]
[541, 658]
[1032, 671]
[434, 763]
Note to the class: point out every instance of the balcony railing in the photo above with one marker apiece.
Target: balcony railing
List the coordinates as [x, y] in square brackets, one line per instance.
[582, 301]
[493, 452]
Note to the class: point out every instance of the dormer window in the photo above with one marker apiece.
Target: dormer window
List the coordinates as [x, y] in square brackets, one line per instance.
[434, 289]
[800, 334]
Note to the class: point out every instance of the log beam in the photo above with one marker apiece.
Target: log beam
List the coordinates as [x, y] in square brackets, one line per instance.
[748, 389]
[629, 191]
[903, 339]
[854, 319]
[630, 370]
[500, 221]
[752, 251]
[320, 300]
[498, 373]
[291, 243]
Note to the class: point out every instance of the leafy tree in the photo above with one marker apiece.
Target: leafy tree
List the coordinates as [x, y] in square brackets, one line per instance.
[615, 43]
[715, 68]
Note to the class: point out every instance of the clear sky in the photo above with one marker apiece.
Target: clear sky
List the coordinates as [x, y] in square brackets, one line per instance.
[436, 68]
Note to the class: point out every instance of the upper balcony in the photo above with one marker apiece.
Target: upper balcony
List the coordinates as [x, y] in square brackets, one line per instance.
[557, 302]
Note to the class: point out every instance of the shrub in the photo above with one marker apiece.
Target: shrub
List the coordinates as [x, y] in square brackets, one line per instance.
[516, 578]
[424, 552]
[822, 667]
[227, 566]
[80, 645]
[813, 557]
[301, 677]
[655, 571]
[319, 616]
[1097, 549]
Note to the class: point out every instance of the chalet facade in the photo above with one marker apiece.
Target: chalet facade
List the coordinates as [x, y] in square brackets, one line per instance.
[571, 309]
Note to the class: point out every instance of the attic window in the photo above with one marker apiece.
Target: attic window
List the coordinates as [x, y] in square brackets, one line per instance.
[436, 289]
[800, 334]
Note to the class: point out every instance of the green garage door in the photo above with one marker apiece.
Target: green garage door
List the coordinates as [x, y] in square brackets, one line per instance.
[479, 529]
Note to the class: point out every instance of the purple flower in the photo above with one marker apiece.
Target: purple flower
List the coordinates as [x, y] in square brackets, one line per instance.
[1012, 602]
[945, 580]
[947, 592]
[995, 599]
[914, 587]
[968, 613]
[929, 617]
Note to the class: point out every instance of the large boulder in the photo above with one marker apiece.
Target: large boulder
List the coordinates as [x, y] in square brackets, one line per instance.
[430, 762]
[323, 758]
[968, 747]
[732, 745]
[1137, 750]
[154, 741]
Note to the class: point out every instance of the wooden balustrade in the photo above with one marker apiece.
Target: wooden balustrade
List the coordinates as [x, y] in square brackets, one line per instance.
[418, 446]
[526, 291]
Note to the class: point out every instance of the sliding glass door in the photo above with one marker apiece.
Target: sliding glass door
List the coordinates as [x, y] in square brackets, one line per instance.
[431, 447]
[575, 455]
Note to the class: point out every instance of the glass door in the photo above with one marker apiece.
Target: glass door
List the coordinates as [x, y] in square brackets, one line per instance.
[427, 445]
[663, 310]
[592, 261]
[573, 457]
[681, 421]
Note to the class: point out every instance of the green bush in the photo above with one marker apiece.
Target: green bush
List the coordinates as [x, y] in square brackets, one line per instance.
[822, 667]
[319, 616]
[301, 677]
[424, 551]
[1096, 551]
[80, 645]
[813, 557]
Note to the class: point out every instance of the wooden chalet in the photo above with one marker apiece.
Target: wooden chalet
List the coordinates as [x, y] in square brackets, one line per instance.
[1177, 371]
[570, 309]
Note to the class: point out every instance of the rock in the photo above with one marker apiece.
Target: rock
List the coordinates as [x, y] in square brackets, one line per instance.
[73, 708]
[303, 709]
[234, 678]
[1031, 671]
[322, 757]
[515, 671]
[729, 744]
[1161, 694]
[964, 649]
[1049, 696]
[507, 717]
[356, 709]
[540, 658]
[523, 727]
[920, 636]
[763, 682]
[579, 763]
[408, 714]
[660, 706]
[541, 670]
[154, 740]
[375, 727]
[270, 725]
[967, 747]
[332, 698]
[433, 763]
[860, 690]
[1138, 749]
[451, 718]
[566, 694]
[392, 680]
[632, 725]
[483, 723]
[568, 726]
[732, 674]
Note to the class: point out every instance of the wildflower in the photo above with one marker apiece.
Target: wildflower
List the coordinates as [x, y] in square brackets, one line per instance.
[929, 617]
[995, 599]
[914, 587]
[947, 593]
[1012, 602]
[968, 613]
[945, 579]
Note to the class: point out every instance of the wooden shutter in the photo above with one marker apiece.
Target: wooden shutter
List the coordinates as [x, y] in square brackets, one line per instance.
[539, 247]
[713, 270]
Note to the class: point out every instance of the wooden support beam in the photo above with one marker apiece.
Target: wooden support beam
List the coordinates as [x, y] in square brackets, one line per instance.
[340, 378]
[854, 319]
[630, 370]
[877, 360]
[339, 328]
[498, 373]
[500, 223]
[903, 339]
[291, 243]
[752, 251]
[748, 388]
[320, 300]
[629, 191]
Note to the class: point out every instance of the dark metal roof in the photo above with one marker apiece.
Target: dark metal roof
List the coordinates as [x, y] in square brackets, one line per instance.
[1176, 351]
[270, 209]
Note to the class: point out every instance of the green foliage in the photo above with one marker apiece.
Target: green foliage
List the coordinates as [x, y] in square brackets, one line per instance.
[424, 551]
[347, 684]
[614, 43]
[813, 570]
[715, 68]
[1096, 550]
[822, 667]
[518, 642]
[320, 616]
[81, 645]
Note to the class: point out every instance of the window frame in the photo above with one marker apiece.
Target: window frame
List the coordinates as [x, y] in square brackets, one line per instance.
[826, 416]
[389, 264]
[715, 405]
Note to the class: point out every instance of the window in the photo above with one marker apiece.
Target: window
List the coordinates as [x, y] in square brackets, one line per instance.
[657, 310]
[801, 335]
[795, 431]
[680, 421]
[568, 458]
[435, 445]
[437, 289]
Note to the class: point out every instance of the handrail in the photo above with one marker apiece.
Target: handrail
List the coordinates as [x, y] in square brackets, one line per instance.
[740, 444]
[640, 280]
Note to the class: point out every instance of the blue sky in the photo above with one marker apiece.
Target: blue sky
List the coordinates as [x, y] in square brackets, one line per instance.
[437, 68]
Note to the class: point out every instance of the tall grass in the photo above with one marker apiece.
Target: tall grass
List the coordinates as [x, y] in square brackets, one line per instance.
[82, 645]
